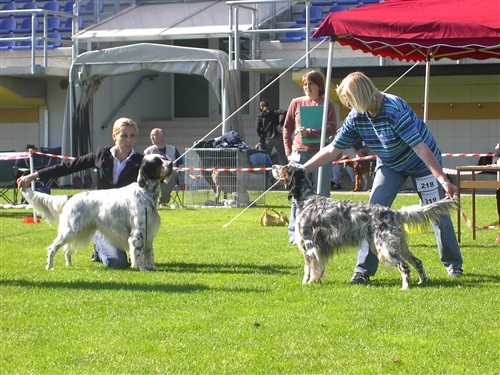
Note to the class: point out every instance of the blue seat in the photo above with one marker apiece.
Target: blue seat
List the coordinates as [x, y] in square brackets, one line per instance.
[30, 5]
[53, 24]
[347, 2]
[6, 44]
[67, 25]
[322, 3]
[8, 6]
[54, 40]
[315, 15]
[68, 7]
[338, 8]
[88, 8]
[294, 36]
[370, 1]
[25, 26]
[8, 26]
[24, 44]
[53, 6]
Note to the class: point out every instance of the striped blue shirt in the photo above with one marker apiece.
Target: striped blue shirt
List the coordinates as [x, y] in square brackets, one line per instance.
[390, 135]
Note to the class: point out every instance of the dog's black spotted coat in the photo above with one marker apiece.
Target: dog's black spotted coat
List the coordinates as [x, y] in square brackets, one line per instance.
[324, 225]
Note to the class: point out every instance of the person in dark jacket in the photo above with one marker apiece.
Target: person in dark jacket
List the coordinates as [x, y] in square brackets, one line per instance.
[269, 124]
[118, 166]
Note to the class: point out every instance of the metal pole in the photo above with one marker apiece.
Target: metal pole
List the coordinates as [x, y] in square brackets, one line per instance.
[325, 111]
[426, 87]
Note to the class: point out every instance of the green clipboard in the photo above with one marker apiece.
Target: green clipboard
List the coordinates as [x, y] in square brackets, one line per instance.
[311, 117]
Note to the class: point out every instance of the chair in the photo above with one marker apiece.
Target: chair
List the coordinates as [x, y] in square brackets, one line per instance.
[177, 196]
[6, 44]
[8, 6]
[8, 25]
[68, 7]
[68, 24]
[338, 8]
[315, 15]
[25, 26]
[53, 24]
[54, 40]
[322, 3]
[294, 36]
[30, 5]
[8, 181]
[347, 2]
[89, 7]
[24, 44]
[52, 6]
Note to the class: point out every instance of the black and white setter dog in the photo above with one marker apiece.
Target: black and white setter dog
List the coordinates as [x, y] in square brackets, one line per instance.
[324, 225]
[126, 216]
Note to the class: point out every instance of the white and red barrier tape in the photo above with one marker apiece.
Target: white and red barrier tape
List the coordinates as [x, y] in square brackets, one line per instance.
[469, 224]
[26, 155]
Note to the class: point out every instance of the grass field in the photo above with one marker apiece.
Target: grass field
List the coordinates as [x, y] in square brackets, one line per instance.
[229, 301]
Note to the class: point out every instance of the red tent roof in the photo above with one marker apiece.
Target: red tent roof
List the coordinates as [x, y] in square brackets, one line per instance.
[414, 29]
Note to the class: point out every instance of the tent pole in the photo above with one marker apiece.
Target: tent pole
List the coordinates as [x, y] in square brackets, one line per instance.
[325, 111]
[426, 87]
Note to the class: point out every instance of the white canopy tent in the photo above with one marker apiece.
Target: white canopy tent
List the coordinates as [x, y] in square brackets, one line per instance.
[90, 68]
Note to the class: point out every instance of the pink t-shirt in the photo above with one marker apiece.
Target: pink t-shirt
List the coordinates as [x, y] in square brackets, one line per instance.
[292, 122]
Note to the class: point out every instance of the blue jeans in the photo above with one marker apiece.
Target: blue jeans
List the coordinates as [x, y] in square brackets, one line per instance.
[325, 188]
[108, 254]
[386, 186]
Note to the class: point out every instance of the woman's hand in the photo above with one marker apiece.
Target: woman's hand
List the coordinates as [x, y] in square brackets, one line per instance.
[449, 189]
[24, 182]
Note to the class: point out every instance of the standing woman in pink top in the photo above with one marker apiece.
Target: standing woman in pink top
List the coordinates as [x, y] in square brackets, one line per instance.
[293, 134]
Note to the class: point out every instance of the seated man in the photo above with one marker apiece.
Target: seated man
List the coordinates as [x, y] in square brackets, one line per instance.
[169, 152]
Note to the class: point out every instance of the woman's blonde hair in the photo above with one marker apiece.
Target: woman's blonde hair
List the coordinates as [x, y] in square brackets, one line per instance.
[317, 78]
[124, 122]
[357, 91]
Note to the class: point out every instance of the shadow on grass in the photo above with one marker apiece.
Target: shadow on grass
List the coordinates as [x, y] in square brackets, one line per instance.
[15, 214]
[86, 285]
[469, 280]
[226, 268]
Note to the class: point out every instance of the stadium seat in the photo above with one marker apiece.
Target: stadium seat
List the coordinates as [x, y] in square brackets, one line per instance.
[8, 26]
[68, 7]
[53, 24]
[30, 5]
[67, 26]
[54, 40]
[338, 8]
[365, 2]
[6, 44]
[315, 15]
[347, 2]
[8, 6]
[24, 44]
[25, 26]
[322, 3]
[294, 36]
[53, 6]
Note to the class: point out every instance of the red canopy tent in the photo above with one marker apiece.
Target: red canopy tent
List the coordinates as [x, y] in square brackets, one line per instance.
[417, 30]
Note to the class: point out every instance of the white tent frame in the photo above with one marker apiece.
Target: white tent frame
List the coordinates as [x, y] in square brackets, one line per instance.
[89, 66]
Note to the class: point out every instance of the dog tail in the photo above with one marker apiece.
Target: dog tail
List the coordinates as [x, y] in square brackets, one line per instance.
[417, 217]
[49, 206]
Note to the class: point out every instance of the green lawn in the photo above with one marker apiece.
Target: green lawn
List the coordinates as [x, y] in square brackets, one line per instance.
[229, 300]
